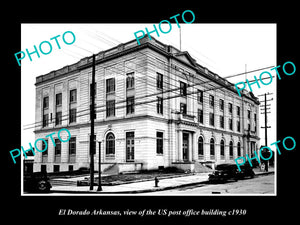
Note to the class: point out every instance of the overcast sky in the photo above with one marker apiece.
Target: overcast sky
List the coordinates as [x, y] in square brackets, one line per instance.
[226, 49]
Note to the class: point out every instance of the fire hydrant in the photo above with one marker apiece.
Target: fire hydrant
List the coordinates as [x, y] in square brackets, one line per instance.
[156, 181]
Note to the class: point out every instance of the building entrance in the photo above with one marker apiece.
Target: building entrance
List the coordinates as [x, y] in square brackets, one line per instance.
[185, 147]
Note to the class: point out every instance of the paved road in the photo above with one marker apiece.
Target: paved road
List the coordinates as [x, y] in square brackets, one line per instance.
[258, 185]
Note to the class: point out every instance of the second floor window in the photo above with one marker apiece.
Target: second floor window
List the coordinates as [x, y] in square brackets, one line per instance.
[211, 119]
[159, 105]
[130, 105]
[110, 108]
[45, 120]
[57, 150]
[230, 124]
[58, 118]
[222, 121]
[72, 116]
[200, 115]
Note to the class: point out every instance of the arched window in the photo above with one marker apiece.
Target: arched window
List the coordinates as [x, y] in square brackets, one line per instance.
[239, 149]
[110, 144]
[222, 149]
[200, 146]
[212, 147]
[231, 149]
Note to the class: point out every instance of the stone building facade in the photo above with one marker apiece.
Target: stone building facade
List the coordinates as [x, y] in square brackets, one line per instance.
[155, 107]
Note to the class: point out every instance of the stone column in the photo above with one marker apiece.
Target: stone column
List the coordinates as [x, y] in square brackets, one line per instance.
[179, 147]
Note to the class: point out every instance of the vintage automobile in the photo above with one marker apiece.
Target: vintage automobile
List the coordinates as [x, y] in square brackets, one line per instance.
[37, 182]
[228, 171]
[246, 171]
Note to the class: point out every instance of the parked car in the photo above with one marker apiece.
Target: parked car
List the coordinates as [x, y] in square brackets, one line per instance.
[37, 182]
[224, 172]
[227, 171]
[246, 171]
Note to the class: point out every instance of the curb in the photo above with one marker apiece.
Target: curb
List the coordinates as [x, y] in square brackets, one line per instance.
[154, 189]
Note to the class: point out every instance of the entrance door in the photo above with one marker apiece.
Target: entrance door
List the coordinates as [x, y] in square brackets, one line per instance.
[130, 146]
[185, 147]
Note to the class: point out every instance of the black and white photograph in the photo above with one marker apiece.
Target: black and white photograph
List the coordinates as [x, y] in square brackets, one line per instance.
[162, 121]
[175, 115]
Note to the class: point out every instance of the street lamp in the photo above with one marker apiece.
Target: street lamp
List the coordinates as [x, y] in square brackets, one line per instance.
[99, 168]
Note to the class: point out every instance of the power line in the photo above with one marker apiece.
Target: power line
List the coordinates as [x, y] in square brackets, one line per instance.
[170, 90]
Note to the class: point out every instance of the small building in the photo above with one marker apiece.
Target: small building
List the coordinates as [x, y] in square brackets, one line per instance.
[155, 107]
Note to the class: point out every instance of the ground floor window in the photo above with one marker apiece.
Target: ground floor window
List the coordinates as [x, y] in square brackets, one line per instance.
[212, 148]
[110, 144]
[200, 147]
[159, 142]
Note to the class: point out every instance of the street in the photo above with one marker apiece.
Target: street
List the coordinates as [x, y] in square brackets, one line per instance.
[257, 185]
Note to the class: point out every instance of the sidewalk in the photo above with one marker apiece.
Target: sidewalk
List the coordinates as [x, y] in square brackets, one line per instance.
[145, 186]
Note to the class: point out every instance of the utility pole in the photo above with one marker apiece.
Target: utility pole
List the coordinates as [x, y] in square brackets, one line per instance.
[92, 116]
[180, 38]
[266, 113]
[99, 168]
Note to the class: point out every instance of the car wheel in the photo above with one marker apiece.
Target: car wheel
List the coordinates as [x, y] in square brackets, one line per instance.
[42, 186]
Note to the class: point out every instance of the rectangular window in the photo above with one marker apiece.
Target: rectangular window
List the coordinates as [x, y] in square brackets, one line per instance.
[159, 142]
[73, 95]
[72, 146]
[238, 111]
[46, 102]
[72, 116]
[238, 124]
[183, 90]
[211, 101]
[221, 104]
[183, 108]
[200, 115]
[211, 119]
[222, 121]
[159, 80]
[110, 108]
[130, 105]
[44, 153]
[130, 80]
[58, 99]
[249, 114]
[230, 124]
[200, 96]
[110, 85]
[45, 120]
[159, 105]
[230, 107]
[57, 150]
[58, 118]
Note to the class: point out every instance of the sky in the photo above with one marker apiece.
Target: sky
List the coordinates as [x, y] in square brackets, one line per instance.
[225, 49]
